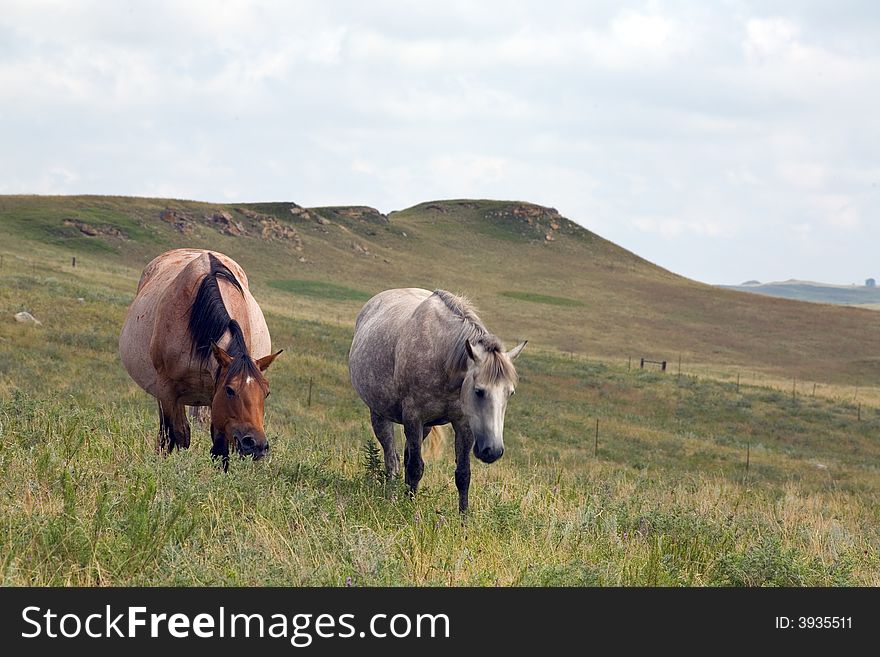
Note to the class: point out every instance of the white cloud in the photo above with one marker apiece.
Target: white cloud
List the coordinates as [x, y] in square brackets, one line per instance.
[803, 175]
[838, 211]
[767, 38]
[670, 228]
[715, 127]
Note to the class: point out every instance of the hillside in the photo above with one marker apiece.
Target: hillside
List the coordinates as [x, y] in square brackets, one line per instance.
[532, 272]
[816, 292]
[611, 475]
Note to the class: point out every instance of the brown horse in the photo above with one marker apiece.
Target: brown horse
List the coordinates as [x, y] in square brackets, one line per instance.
[194, 336]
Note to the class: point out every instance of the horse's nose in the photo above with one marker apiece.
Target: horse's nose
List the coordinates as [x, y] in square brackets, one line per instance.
[490, 454]
[248, 444]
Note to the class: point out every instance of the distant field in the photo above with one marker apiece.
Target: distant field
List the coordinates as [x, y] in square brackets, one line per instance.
[854, 295]
[757, 466]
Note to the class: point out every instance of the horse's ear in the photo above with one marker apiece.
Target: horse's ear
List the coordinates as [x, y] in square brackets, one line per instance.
[264, 362]
[513, 353]
[222, 357]
[474, 352]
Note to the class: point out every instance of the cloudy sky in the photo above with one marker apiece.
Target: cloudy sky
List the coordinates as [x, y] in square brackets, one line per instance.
[724, 141]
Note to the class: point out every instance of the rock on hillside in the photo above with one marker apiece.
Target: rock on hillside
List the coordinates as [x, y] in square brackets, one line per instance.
[530, 221]
[239, 222]
[360, 214]
[534, 220]
[93, 231]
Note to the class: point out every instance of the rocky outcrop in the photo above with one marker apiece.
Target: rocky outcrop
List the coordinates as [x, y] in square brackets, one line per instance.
[364, 214]
[272, 229]
[359, 214]
[94, 231]
[536, 221]
[224, 222]
[180, 221]
[242, 222]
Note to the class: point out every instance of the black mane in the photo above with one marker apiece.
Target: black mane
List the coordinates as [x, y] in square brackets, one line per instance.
[209, 320]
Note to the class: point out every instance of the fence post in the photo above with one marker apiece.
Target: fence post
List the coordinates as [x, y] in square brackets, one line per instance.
[596, 445]
[663, 366]
[642, 364]
[73, 261]
[860, 411]
[737, 382]
[309, 402]
[748, 454]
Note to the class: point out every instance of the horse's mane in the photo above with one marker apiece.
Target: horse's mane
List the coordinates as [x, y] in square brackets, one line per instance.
[209, 320]
[495, 366]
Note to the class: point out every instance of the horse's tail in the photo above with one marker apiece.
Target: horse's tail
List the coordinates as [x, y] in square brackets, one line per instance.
[208, 317]
[433, 443]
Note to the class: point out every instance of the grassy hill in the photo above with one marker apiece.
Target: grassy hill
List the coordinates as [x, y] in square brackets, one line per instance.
[816, 292]
[532, 272]
[693, 480]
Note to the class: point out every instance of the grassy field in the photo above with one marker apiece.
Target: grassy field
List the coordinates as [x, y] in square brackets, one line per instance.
[694, 480]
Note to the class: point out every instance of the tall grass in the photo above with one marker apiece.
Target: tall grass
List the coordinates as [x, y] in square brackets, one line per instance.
[664, 498]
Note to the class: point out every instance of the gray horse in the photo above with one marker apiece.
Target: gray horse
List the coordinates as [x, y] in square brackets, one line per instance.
[423, 359]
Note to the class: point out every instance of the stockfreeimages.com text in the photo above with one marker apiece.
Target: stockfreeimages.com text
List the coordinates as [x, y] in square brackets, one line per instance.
[301, 629]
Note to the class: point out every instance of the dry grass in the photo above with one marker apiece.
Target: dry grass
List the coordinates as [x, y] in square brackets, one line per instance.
[667, 500]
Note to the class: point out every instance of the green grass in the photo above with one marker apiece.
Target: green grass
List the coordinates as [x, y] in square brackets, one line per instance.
[630, 308]
[666, 499]
[542, 298]
[320, 290]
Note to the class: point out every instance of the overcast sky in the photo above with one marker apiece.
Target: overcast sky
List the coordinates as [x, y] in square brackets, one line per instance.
[725, 141]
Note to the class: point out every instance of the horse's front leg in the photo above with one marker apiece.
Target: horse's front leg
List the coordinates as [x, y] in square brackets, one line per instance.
[412, 453]
[220, 448]
[464, 443]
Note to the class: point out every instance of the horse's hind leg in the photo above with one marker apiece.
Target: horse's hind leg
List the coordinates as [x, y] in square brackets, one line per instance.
[384, 430]
[412, 453]
[173, 427]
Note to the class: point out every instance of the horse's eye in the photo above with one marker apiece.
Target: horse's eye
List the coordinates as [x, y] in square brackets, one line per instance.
[480, 392]
[268, 393]
[230, 391]
[512, 393]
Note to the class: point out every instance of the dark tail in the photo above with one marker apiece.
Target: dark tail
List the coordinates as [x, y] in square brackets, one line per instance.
[208, 317]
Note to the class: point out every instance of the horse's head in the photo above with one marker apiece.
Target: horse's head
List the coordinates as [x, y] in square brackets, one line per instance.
[490, 381]
[240, 391]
